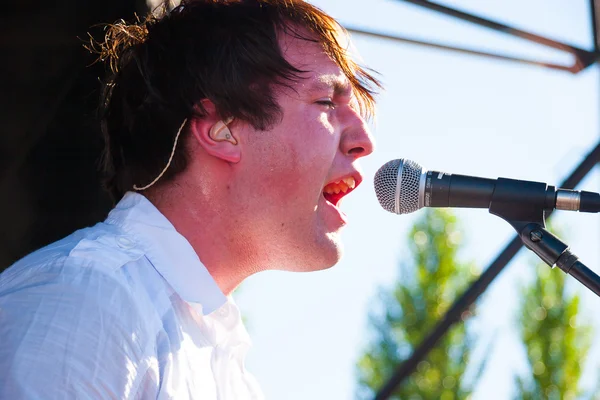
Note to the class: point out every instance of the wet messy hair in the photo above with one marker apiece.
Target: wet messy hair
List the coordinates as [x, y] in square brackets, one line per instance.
[161, 67]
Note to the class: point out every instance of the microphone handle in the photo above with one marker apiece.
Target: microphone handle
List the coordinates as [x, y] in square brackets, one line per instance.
[440, 189]
[590, 202]
[447, 190]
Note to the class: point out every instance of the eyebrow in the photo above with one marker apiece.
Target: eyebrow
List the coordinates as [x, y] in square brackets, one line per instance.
[340, 87]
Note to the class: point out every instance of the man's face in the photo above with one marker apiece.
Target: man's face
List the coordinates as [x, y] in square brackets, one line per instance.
[289, 200]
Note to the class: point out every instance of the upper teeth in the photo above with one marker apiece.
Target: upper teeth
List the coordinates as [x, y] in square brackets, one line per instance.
[340, 186]
[349, 182]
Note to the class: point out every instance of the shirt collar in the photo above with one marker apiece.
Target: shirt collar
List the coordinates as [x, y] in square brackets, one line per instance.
[170, 253]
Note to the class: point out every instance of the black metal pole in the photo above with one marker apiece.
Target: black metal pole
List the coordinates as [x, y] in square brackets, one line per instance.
[497, 26]
[583, 58]
[472, 293]
[586, 276]
[593, 11]
[461, 50]
[554, 252]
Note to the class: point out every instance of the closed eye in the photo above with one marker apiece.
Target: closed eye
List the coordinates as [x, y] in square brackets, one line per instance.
[328, 103]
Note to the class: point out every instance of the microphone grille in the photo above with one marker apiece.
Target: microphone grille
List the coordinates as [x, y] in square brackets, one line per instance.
[397, 186]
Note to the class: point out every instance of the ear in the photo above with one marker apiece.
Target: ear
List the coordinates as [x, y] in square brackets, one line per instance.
[215, 136]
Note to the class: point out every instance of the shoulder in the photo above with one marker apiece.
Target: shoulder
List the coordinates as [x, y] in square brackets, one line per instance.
[89, 270]
[100, 263]
[72, 308]
[102, 246]
[100, 250]
[88, 267]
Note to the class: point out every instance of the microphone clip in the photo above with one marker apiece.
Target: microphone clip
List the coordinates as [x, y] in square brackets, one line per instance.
[521, 202]
[525, 205]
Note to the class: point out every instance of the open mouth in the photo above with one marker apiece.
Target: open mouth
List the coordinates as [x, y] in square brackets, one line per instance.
[335, 191]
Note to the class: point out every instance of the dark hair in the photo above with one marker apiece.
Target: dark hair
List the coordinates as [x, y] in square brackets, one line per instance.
[224, 51]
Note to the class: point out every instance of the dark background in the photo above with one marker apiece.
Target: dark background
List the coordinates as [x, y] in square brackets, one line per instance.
[50, 143]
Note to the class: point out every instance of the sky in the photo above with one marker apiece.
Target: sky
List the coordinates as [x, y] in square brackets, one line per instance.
[449, 112]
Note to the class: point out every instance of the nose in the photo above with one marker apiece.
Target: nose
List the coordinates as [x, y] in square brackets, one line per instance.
[356, 140]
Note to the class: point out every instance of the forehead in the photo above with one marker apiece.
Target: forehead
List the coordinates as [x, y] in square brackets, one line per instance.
[309, 56]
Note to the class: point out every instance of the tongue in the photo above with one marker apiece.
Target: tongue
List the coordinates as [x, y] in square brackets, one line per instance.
[333, 198]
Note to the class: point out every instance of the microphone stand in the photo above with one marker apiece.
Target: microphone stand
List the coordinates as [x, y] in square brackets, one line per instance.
[526, 214]
[472, 293]
[555, 252]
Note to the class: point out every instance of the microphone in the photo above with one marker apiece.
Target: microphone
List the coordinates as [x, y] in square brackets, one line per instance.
[403, 186]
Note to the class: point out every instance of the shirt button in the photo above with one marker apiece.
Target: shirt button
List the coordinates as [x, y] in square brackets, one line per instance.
[124, 242]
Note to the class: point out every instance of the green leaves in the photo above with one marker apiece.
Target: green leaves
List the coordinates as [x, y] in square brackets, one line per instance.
[431, 278]
[555, 344]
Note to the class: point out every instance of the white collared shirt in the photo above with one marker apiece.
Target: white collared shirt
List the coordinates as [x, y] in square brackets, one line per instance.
[121, 310]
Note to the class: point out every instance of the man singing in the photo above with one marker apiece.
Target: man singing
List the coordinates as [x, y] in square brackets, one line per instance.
[233, 129]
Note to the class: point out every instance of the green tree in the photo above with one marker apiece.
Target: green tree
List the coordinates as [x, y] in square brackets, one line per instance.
[556, 345]
[430, 279]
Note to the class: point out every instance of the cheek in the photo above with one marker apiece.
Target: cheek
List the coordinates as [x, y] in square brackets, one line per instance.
[293, 165]
[294, 174]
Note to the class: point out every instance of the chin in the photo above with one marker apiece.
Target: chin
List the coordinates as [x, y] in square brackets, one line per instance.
[317, 255]
[337, 249]
[325, 255]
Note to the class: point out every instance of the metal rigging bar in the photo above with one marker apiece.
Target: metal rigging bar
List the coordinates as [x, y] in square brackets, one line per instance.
[461, 50]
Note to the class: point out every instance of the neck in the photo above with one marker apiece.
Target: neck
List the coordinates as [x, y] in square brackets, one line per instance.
[207, 228]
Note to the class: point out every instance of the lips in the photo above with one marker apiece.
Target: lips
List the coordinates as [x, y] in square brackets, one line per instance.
[336, 190]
